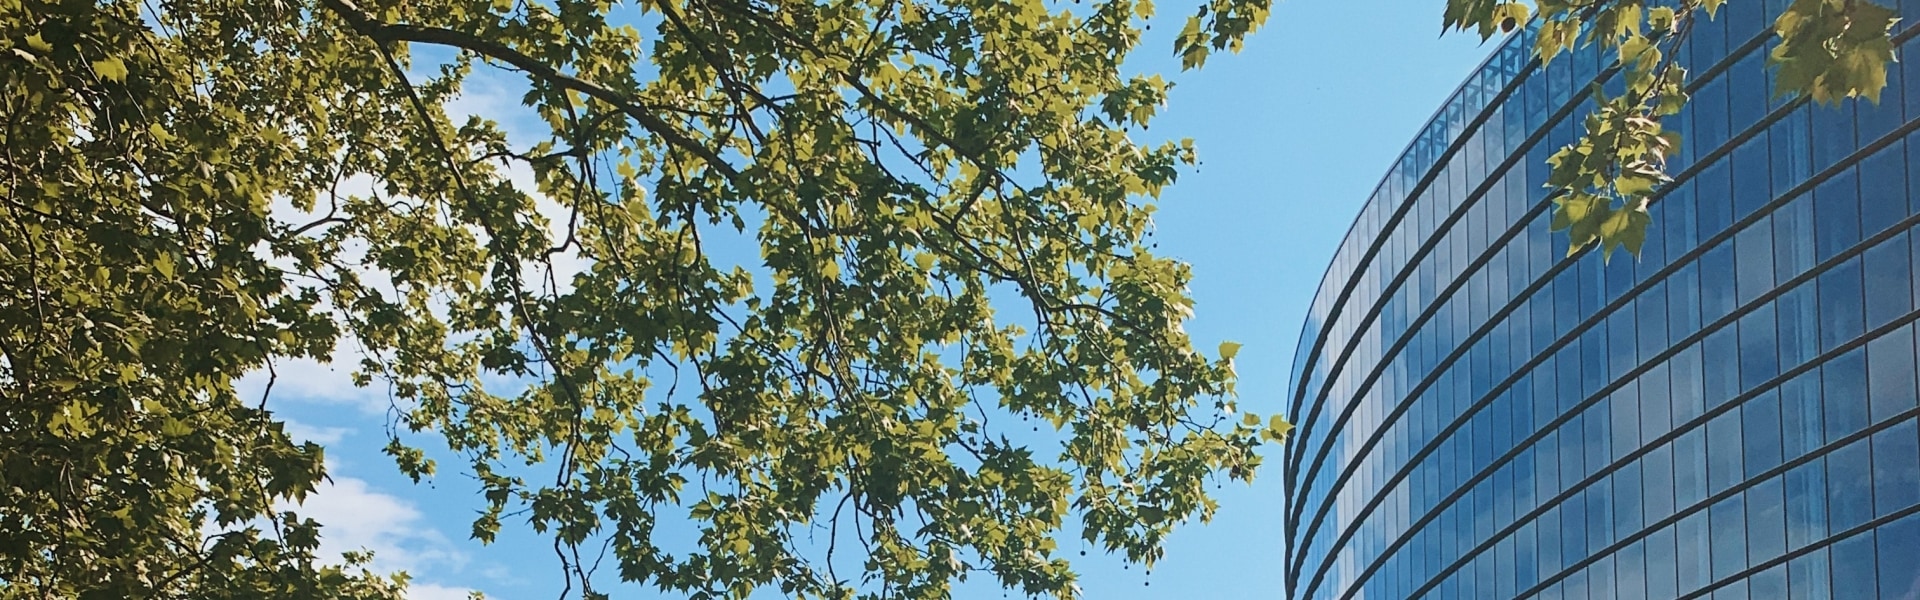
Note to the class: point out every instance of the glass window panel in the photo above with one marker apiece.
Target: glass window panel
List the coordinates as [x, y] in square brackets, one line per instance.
[1722, 350]
[1733, 590]
[1832, 134]
[1713, 197]
[1546, 466]
[1836, 213]
[1842, 313]
[1656, 405]
[1695, 561]
[1792, 161]
[1709, 45]
[1896, 469]
[1724, 452]
[1844, 385]
[1573, 449]
[1656, 472]
[1549, 544]
[1890, 379]
[1766, 521]
[1807, 503]
[1849, 477]
[1753, 247]
[1883, 188]
[1760, 425]
[1630, 569]
[1717, 296]
[1751, 187]
[1877, 119]
[1913, 145]
[1747, 80]
[1573, 528]
[1601, 579]
[1526, 570]
[1663, 577]
[1910, 74]
[1854, 576]
[1625, 430]
[1683, 300]
[1913, 237]
[1626, 506]
[1621, 343]
[1592, 290]
[1809, 576]
[1708, 108]
[1888, 280]
[1759, 352]
[1898, 545]
[1651, 307]
[1799, 325]
[1690, 476]
[1598, 516]
[1769, 584]
[1680, 215]
[1793, 239]
[1574, 587]
[1800, 415]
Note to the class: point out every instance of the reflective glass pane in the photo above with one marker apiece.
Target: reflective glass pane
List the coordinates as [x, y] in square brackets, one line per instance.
[1899, 555]
[1849, 477]
[1896, 469]
[1890, 363]
[1766, 521]
[1854, 575]
[1883, 188]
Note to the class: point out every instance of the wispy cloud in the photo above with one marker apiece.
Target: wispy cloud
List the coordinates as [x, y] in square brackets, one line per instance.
[302, 432]
[429, 591]
[309, 380]
[356, 516]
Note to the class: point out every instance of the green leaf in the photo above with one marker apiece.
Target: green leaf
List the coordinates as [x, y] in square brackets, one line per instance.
[1661, 19]
[164, 265]
[1228, 350]
[111, 69]
[1279, 428]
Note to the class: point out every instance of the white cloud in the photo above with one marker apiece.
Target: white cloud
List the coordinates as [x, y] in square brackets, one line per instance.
[357, 517]
[500, 574]
[309, 380]
[430, 591]
[302, 432]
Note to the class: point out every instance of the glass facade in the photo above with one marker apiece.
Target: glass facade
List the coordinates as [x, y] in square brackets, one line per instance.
[1731, 416]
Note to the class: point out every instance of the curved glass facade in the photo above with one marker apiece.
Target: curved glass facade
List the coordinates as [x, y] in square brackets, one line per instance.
[1731, 416]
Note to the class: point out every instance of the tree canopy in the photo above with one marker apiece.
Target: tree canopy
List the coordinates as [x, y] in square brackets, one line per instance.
[1826, 50]
[951, 219]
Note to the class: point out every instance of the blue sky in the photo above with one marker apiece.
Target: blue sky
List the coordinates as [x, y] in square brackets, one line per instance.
[1293, 133]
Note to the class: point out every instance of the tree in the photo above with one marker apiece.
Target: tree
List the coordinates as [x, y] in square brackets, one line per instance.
[953, 229]
[1827, 51]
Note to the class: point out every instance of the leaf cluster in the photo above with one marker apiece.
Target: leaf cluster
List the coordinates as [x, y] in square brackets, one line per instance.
[129, 303]
[1603, 182]
[949, 226]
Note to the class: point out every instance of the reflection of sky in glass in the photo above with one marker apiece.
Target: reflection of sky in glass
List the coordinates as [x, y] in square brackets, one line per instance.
[1733, 414]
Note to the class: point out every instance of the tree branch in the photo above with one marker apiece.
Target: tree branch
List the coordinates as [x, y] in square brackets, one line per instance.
[401, 32]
